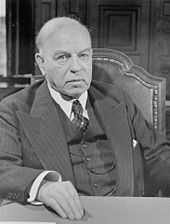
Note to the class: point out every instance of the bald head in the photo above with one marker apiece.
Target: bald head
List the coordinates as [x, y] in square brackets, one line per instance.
[57, 26]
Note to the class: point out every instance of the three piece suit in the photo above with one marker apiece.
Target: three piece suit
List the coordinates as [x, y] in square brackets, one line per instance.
[33, 139]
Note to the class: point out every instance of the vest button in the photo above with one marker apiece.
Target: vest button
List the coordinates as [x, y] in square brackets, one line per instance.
[84, 146]
[95, 185]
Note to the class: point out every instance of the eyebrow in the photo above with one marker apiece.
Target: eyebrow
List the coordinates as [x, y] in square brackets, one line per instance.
[66, 52]
[87, 49]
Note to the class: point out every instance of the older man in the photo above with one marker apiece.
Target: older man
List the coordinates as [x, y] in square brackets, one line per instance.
[66, 135]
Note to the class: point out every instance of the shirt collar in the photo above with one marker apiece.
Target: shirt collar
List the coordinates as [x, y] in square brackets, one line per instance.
[66, 105]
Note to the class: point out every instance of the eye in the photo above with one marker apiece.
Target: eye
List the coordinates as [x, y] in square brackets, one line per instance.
[62, 59]
[84, 56]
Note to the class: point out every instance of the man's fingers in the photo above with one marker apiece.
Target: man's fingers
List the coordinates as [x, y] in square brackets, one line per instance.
[66, 206]
[56, 207]
[76, 201]
[73, 204]
[61, 207]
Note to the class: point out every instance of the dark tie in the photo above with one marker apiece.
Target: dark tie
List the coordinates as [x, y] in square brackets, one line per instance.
[80, 121]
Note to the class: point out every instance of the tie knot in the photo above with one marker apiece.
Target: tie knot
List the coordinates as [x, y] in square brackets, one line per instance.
[77, 108]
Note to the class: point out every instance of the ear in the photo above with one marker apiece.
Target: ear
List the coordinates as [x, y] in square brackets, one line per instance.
[40, 62]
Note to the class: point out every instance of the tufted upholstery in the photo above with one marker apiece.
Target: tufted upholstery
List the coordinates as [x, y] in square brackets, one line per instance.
[147, 91]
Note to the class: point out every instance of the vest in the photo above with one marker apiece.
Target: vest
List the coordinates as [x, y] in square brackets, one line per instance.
[93, 160]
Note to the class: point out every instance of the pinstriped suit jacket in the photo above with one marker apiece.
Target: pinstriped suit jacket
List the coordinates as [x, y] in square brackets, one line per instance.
[32, 139]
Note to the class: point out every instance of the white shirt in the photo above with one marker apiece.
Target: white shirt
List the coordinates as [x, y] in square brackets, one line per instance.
[66, 105]
[48, 175]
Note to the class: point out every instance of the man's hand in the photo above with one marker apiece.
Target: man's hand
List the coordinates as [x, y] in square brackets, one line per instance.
[62, 197]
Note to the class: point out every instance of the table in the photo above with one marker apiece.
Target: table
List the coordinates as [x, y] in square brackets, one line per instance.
[99, 210]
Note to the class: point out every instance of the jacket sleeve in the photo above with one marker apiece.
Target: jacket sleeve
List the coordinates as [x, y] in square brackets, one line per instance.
[154, 146]
[15, 178]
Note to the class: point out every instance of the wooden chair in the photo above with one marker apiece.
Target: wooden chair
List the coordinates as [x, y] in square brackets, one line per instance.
[12, 84]
[146, 91]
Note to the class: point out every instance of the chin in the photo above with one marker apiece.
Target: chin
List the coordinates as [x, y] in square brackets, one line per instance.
[75, 90]
[76, 93]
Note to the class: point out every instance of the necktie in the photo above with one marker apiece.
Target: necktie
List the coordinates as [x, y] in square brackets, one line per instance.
[79, 120]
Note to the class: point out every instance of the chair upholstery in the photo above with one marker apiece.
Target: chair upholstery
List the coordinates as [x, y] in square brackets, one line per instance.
[146, 91]
[12, 84]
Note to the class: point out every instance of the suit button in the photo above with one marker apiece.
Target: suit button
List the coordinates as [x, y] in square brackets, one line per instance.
[96, 186]
[84, 146]
[86, 159]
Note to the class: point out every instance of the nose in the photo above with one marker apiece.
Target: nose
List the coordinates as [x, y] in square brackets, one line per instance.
[75, 64]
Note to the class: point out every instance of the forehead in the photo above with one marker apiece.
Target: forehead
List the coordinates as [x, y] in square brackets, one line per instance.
[70, 38]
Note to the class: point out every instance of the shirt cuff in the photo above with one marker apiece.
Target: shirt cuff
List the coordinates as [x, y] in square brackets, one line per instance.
[47, 176]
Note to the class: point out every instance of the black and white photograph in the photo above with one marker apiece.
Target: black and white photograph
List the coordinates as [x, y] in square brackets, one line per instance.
[84, 111]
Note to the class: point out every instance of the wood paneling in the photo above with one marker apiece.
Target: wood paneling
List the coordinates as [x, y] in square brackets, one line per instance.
[12, 17]
[20, 36]
[118, 27]
[121, 25]
[44, 10]
[159, 61]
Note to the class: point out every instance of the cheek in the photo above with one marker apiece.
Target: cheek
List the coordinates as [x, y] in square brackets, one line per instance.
[54, 70]
[88, 69]
[58, 75]
[86, 66]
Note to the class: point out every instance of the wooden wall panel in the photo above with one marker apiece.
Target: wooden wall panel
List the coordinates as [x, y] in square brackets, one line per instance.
[121, 25]
[20, 36]
[118, 27]
[159, 61]
[12, 18]
[44, 10]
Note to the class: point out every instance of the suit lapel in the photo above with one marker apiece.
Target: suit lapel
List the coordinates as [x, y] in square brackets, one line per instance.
[46, 135]
[112, 116]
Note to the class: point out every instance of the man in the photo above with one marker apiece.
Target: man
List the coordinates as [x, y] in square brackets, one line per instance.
[67, 136]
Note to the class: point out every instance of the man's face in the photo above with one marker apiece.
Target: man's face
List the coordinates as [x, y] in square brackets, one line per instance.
[67, 61]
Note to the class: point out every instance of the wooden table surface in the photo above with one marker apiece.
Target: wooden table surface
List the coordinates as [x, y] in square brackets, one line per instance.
[98, 210]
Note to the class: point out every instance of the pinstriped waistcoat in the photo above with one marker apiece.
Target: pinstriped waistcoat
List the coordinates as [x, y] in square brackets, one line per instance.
[93, 160]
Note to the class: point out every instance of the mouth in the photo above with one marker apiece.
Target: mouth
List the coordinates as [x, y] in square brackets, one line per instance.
[75, 81]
